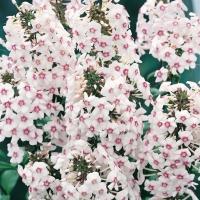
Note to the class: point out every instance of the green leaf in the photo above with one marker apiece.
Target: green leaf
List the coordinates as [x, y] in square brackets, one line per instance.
[146, 127]
[6, 166]
[8, 180]
[3, 155]
[25, 158]
[151, 75]
[155, 92]
[5, 197]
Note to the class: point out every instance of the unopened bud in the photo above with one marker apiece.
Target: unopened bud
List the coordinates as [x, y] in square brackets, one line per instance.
[14, 2]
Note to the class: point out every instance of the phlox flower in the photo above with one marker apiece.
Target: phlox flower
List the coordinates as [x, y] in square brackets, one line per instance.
[6, 92]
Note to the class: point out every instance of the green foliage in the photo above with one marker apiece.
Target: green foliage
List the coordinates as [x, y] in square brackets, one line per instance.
[8, 180]
[5, 197]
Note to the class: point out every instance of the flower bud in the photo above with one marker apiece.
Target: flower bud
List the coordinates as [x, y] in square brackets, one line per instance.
[14, 2]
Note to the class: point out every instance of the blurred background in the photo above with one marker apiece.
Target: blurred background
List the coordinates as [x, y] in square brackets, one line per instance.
[11, 186]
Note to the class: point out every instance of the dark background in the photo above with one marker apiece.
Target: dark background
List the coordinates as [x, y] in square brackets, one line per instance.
[148, 65]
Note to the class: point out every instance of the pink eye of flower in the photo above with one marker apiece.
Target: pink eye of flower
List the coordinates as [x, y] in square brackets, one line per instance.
[165, 194]
[160, 33]
[101, 106]
[92, 30]
[59, 188]
[182, 118]
[175, 23]
[106, 54]
[183, 154]
[26, 131]
[117, 68]
[37, 109]
[110, 131]
[94, 40]
[159, 124]
[118, 16]
[14, 47]
[22, 59]
[27, 88]
[185, 139]
[52, 30]
[120, 163]
[176, 65]
[124, 25]
[168, 146]
[78, 137]
[38, 170]
[176, 35]
[165, 155]
[159, 74]
[167, 124]
[62, 52]
[118, 141]
[101, 191]
[103, 44]
[131, 141]
[178, 188]
[116, 102]
[91, 128]
[166, 175]
[179, 176]
[14, 131]
[147, 143]
[46, 183]
[48, 20]
[156, 162]
[66, 67]
[100, 120]
[151, 187]
[173, 166]
[41, 43]
[190, 50]
[81, 118]
[155, 138]
[24, 176]
[22, 46]
[145, 85]
[24, 118]
[21, 103]
[111, 90]
[162, 8]
[167, 54]
[8, 121]
[125, 72]
[15, 154]
[94, 181]
[39, 96]
[82, 45]
[84, 193]
[42, 75]
[52, 90]
[115, 180]
[54, 76]
[188, 25]
[38, 26]
[53, 129]
[50, 59]
[164, 184]
[7, 104]
[193, 125]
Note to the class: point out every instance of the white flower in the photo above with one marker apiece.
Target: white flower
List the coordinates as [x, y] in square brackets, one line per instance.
[6, 92]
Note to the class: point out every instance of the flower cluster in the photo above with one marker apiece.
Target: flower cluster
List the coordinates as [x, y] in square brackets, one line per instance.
[169, 35]
[72, 97]
[171, 145]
